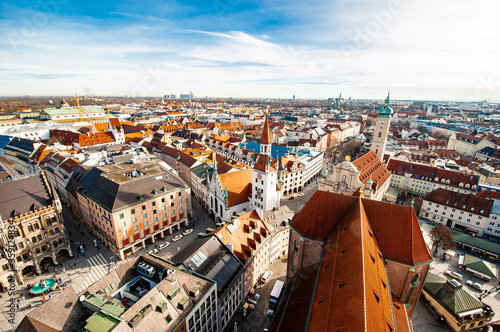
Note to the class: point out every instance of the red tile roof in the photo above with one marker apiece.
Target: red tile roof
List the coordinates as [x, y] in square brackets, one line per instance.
[238, 184]
[371, 168]
[395, 226]
[472, 204]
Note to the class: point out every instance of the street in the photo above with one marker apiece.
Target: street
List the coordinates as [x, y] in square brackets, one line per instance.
[83, 270]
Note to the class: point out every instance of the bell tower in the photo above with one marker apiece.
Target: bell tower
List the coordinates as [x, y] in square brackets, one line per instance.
[381, 133]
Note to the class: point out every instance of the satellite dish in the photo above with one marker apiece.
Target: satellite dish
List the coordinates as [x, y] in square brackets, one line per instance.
[82, 298]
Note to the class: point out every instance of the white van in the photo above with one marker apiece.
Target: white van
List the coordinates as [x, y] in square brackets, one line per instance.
[266, 276]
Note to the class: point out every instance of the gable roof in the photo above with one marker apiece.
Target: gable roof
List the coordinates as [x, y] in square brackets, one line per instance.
[372, 168]
[473, 204]
[238, 184]
[395, 226]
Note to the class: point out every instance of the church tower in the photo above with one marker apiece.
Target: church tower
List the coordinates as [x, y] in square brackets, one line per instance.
[381, 133]
[265, 176]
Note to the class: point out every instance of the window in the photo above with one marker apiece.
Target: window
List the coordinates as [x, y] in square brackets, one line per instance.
[143, 207]
[136, 228]
[145, 215]
[134, 219]
[124, 233]
[155, 219]
[122, 216]
[132, 211]
[124, 224]
[173, 211]
[164, 215]
[154, 211]
[153, 204]
[146, 223]
[172, 204]
[180, 193]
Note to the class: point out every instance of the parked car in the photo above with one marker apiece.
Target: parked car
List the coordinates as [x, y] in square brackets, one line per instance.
[187, 231]
[455, 283]
[475, 285]
[266, 276]
[291, 197]
[153, 251]
[177, 238]
[454, 274]
[163, 245]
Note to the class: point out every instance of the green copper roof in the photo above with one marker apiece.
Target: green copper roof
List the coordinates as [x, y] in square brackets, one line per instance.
[479, 265]
[100, 322]
[455, 301]
[385, 111]
[73, 110]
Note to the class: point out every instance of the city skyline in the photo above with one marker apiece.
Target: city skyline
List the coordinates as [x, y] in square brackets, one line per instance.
[249, 49]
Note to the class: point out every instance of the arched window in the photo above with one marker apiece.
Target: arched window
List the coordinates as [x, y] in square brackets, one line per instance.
[415, 277]
[30, 228]
[379, 134]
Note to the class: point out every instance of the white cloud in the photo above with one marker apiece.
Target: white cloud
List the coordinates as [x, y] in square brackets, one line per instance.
[423, 49]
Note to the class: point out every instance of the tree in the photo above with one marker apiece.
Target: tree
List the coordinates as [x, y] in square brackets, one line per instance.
[441, 237]
[351, 148]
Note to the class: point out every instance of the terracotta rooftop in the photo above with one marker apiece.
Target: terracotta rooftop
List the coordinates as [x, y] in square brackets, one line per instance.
[245, 232]
[371, 168]
[324, 211]
[472, 204]
[238, 184]
[357, 236]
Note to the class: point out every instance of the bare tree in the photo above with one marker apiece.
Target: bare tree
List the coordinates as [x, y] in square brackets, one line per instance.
[351, 148]
[441, 237]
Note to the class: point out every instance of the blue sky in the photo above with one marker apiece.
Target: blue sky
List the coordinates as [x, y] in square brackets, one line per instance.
[426, 49]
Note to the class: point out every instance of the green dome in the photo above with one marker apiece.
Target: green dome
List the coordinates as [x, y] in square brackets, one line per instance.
[324, 171]
[385, 111]
[369, 182]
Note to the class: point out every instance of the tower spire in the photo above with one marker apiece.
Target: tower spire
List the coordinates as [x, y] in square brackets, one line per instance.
[266, 140]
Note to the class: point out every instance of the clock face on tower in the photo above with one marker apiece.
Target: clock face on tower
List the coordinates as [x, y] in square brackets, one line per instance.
[259, 176]
[382, 123]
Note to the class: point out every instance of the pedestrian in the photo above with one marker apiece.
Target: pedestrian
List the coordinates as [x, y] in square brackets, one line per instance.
[64, 270]
[23, 297]
[60, 280]
[29, 306]
[17, 306]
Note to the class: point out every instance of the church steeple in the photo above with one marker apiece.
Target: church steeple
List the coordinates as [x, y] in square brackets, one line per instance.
[266, 140]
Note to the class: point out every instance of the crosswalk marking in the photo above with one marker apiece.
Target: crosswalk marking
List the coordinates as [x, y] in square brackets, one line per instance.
[98, 269]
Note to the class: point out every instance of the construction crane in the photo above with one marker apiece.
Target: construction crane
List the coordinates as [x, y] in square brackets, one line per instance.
[79, 109]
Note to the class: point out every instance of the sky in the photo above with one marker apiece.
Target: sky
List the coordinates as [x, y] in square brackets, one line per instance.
[417, 49]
